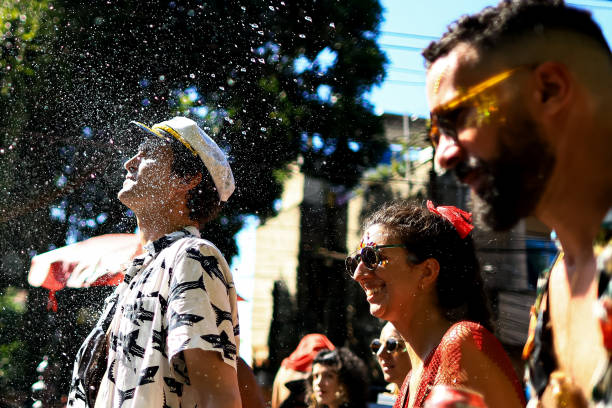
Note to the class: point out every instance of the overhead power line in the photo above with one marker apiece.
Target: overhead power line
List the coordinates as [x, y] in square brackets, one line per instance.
[408, 70]
[608, 5]
[408, 83]
[401, 47]
[409, 35]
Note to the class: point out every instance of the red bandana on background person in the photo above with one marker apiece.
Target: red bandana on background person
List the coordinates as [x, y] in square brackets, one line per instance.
[461, 220]
[290, 380]
[302, 357]
[305, 352]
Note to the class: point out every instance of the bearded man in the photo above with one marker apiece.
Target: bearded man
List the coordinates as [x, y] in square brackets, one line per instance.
[520, 96]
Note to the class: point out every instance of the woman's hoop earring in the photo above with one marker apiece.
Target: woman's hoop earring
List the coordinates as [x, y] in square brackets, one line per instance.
[341, 396]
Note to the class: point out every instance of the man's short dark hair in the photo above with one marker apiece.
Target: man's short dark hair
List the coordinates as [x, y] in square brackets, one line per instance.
[512, 20]
[203, 200]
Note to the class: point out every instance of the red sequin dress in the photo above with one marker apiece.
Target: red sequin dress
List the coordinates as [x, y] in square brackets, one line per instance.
[444, 366]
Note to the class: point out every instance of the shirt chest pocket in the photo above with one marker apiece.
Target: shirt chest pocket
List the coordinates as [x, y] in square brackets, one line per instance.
[135, 329]
[139, 313]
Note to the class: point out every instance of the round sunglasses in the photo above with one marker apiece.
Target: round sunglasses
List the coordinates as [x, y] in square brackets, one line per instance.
[393, 345]
[370, 256]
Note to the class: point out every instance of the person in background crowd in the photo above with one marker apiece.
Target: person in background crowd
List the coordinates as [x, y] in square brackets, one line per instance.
[168, 336]
[339, 379]
[520, 98]
[392, 355]
[419, 271]
[295, 369]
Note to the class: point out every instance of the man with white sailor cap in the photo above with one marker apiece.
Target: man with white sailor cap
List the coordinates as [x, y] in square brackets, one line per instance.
[169, 334]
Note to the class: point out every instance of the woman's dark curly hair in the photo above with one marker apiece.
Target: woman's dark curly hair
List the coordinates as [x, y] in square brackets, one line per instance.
[426, 235]
[352, 374]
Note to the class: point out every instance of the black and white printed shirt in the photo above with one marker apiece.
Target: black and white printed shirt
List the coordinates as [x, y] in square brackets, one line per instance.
[179, 295]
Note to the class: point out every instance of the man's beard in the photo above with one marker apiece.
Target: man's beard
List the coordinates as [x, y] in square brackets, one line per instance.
[515, 181]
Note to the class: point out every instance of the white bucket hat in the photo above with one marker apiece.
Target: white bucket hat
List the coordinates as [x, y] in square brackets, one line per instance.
[200, 144]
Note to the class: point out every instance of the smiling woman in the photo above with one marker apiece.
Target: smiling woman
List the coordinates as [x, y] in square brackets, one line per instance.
[418, 269]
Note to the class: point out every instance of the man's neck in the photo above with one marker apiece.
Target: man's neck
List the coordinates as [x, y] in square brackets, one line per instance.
[580, 192]
[577, 233]
[153, 226]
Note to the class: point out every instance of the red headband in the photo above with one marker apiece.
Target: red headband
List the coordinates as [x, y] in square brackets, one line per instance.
[461, 220]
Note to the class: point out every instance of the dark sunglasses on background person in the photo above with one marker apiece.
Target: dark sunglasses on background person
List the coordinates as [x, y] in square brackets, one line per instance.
[393, 345]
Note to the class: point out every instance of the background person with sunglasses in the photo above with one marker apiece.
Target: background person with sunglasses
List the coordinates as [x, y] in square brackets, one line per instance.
[392, 355]
[419, 271]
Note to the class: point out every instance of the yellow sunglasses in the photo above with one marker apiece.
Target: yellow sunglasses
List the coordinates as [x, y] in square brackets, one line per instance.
[444, 117]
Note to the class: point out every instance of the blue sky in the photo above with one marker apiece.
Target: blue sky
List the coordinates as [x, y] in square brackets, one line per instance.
[411, 24]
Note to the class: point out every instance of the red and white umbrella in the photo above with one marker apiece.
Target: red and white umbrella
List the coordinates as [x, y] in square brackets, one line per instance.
[97, 261]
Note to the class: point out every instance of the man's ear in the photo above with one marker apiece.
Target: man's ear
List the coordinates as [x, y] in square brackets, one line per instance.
[189, 182]
[553, 88]
[429, 271]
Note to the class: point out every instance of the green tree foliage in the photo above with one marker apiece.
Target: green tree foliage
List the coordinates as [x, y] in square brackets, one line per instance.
[12, 306]
[272, 81]
[248, 71]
